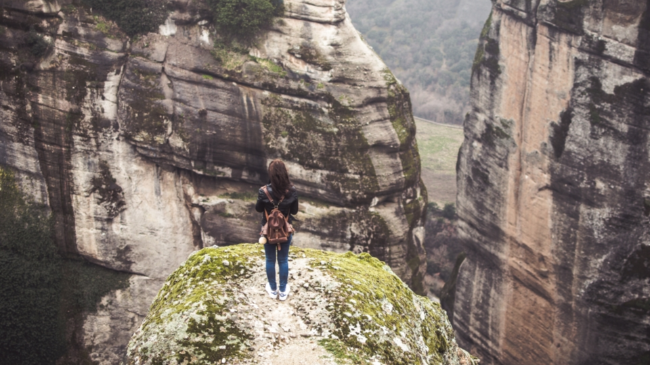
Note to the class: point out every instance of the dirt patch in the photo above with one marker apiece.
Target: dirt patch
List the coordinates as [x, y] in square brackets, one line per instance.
[281, 335]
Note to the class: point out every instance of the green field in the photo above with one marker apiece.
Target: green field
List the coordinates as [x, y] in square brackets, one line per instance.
[439, 146]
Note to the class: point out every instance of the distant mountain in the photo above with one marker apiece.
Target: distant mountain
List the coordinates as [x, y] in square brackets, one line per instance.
[429, 45]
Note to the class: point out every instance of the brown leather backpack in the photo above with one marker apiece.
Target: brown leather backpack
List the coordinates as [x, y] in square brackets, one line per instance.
[277, 228]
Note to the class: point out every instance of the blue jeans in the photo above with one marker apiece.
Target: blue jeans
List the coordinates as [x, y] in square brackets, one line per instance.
[283, 262]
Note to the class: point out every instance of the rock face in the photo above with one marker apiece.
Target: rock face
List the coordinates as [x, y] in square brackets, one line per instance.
[148, 148]
[554, 193]
[214, 309]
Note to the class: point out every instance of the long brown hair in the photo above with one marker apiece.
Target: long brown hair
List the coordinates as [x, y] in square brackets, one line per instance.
[279, 178]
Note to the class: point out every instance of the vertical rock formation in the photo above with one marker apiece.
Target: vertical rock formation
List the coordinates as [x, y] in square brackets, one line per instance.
[554, 193]
[147, 148]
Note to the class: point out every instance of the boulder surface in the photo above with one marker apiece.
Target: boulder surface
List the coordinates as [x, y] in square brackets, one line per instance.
[342, 308]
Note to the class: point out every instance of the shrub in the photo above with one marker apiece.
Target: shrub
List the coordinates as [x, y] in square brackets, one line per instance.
[38, 45]
[433, 207]
[244, 18]
[132, 16]
[449, 211]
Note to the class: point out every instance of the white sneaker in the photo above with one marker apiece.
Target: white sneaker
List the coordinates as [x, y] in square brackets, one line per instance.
[284, 294]
[272, 293]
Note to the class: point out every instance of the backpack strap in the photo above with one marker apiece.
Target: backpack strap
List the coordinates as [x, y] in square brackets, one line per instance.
[268, 195]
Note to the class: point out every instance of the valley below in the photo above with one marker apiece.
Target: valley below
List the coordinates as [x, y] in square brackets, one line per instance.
[438, 145]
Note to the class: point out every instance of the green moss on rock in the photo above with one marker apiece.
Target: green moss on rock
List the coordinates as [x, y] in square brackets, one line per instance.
[330, 140]
[413, 210]
[594, 115]
[188, 318]
[134, 16]
[569, 15]
[399, 109]
[311, 55]
[268, 67]
[486, 26]
[230, 55]
[389, 77]
[370, 315]
[401, 117]
[492, 134]
[487, 53]
[146, 116]
[410, 163]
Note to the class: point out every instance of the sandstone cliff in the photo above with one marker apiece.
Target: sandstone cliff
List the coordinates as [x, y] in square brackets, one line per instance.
[554, 193]
[214, 309]
[151, 146]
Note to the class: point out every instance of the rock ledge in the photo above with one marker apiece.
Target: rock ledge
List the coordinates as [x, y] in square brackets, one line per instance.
[343, 308]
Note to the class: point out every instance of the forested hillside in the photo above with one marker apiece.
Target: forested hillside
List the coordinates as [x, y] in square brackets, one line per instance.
[429, 45]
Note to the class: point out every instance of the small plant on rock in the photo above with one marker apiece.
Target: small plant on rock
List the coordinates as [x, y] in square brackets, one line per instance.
[449, 211]
[433, 207]
[38, 45]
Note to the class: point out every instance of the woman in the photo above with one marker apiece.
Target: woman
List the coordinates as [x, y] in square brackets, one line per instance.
[281, 190]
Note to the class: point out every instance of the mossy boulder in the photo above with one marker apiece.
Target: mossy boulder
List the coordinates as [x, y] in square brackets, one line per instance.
[343, 308]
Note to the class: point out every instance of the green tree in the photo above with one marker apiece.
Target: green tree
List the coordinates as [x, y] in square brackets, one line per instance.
[243, 18]
[449, 211]
[132, 16]
[38, 45]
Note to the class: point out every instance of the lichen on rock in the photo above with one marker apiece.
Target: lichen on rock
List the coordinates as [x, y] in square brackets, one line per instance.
[347, 308]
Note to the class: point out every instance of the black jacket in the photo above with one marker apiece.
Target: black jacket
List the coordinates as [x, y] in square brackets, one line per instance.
[288, 206]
